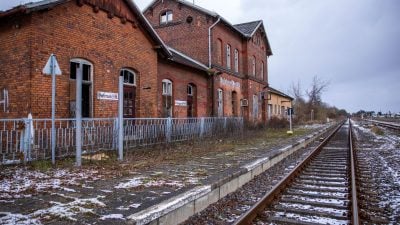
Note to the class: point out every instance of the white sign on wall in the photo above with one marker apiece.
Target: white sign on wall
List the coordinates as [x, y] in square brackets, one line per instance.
[180, 103]
[107, 96]
[229, 82]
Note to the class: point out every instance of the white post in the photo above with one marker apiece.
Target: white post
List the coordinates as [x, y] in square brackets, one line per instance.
[53, 110]
[121, 118]
[201, 127]
[290, 111]
[169, 129]
[290, 119]
[78, 116]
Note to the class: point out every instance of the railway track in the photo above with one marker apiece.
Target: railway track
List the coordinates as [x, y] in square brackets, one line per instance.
[394, 126]
[320, 190]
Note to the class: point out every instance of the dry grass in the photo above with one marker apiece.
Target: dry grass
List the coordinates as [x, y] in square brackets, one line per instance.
[142, 158]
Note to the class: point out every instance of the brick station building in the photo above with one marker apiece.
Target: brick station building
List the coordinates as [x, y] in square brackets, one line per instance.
[103, 39]
[180, 61]
[237, 54]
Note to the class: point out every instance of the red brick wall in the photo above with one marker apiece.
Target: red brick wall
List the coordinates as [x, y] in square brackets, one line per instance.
[229, 84]
[227, 36]
[189, 38]
[70, 31]
[181, 76]
[259, 51]
[15, 65]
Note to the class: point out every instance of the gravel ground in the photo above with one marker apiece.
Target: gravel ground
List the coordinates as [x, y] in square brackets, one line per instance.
[378, 152]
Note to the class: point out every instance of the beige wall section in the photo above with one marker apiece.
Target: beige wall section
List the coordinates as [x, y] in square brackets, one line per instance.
[278, 104]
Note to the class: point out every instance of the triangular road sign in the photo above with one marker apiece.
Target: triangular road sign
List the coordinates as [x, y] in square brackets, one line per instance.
[56, 67]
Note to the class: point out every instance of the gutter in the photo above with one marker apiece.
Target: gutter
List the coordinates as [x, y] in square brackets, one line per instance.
[209, 66]
[209, 41]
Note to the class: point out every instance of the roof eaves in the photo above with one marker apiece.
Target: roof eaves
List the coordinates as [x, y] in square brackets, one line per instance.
[201, 65]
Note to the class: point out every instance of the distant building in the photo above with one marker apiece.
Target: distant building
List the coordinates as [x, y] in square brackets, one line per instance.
[278, 103]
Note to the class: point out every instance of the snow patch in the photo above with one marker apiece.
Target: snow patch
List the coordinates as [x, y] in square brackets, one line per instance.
[112, 216]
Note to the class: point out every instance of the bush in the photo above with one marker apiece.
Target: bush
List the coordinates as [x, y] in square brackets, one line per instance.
[376, 130]
[278, 123]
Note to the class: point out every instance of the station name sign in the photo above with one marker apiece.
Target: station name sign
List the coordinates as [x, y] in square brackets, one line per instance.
[180, 103]
[107, 96]
[231, 83]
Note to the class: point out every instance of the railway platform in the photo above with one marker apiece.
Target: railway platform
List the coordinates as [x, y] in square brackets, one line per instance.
[143, 191]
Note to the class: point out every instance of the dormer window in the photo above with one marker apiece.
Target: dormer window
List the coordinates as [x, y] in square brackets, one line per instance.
[166, 17]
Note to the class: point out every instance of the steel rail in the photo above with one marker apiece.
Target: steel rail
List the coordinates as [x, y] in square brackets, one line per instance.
[385, 124]
[267, 199]
[354, 206]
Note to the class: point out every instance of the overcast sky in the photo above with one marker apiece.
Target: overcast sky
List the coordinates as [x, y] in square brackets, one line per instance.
[352, 44]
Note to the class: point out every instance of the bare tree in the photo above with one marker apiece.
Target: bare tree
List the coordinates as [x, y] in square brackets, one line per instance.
[314, 94]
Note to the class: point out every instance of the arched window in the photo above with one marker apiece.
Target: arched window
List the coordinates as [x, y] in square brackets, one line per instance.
[220, 102]
[262, 71]
[167, 87]
[253, 66]
[255, 106]
[167, 97]
[84, 67]
[191, 100]
[228, 56]
[129, 92]
[236, 61]
[166, 17]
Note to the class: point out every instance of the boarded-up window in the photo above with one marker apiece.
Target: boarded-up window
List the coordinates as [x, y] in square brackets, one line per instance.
[219, 51]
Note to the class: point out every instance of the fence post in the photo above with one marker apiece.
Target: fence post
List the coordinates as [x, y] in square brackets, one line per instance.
[25, 139]
[121, 118]
[225, 124]
[169, 129]
[29, 138]
[78, 116]
[201, 127]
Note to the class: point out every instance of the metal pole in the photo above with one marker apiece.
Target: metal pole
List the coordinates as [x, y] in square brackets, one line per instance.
[78, 116]
[53, 110]
[290, 119]
[121, 118]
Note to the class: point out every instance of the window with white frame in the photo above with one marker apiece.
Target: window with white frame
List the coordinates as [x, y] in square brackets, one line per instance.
[228, 56]
[255, 106]
[190, 90]
[253, 66]
[167, 87]
[166, 17]
[85, 68]
[129, 76]
[167, 98]
[236, 61]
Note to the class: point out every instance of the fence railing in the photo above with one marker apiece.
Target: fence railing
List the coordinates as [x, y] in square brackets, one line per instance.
[30, 139]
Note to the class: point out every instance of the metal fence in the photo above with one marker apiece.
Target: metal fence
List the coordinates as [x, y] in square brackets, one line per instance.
[30, 139]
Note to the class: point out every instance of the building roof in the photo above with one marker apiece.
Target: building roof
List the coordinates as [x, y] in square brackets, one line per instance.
[47, 4]
[246, 30]
[275, 91]
[181, 58]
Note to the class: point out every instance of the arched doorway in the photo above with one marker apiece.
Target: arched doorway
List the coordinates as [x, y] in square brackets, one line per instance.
[191, 100]
[129, 93]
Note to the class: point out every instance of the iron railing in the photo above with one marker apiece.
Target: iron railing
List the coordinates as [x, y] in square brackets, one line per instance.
[30, 139]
